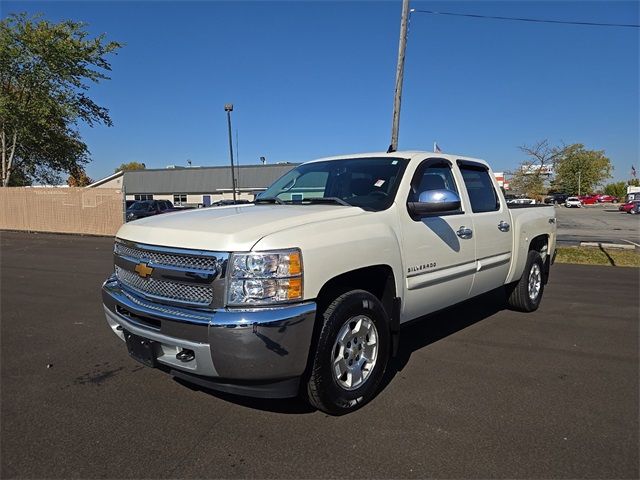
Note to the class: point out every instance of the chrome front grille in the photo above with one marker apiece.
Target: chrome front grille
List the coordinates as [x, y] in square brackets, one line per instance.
[170, 259]
[196, 294]
[170, 275]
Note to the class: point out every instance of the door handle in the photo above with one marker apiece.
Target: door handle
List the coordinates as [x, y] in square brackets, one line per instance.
[503, 226]
[464, 232]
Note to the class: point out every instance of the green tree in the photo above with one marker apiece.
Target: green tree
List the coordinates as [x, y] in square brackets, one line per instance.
[45, 72]
[617, 189]
[125, 167]
[581, 171]
[634, 182]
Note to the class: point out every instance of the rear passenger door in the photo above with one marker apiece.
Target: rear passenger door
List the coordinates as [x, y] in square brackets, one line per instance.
[491, 227]
[439, 258]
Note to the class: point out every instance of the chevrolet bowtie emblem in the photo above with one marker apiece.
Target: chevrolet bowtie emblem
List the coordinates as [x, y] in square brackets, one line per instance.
[143, 270]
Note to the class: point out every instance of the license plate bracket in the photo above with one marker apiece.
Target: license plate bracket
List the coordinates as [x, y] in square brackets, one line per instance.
[140, 349]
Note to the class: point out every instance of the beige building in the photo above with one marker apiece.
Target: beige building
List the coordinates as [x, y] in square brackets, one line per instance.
[194, 186]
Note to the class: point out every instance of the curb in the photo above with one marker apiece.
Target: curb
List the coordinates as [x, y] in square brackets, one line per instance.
[620, 246]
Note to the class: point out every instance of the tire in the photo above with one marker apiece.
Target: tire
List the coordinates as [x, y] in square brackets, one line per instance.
[340, 394]
[523, 297]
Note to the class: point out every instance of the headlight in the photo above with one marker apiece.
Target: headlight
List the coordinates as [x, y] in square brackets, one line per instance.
[265, 278]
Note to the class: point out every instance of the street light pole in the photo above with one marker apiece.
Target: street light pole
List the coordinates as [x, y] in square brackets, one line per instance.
[395, 125]
[229, 108]
[579, 172]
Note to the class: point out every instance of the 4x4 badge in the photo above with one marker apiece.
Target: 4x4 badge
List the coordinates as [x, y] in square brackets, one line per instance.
[143, 270]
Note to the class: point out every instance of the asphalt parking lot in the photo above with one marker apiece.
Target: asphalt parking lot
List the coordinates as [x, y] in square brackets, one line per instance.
[477, 391]
[597, 223]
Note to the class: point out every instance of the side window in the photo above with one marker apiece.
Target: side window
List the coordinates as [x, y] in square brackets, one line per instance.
[479, 186]
[436, 176]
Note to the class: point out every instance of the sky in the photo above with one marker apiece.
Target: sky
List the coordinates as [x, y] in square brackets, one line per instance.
[314, 79]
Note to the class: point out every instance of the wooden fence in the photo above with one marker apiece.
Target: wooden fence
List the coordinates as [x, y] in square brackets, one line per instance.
[93, 211]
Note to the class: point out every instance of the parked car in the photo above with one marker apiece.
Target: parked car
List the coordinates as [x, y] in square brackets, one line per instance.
[602, 198]
[521, 201]
[635, 209]
[588, 199]
[166, 206]
[301, 293]
[146, 208]
[572, 202]
[224, 203]
[557, 198]
[625, 207]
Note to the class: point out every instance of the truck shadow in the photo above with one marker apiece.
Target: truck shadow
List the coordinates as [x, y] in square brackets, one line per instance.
[276, 405]
[414, 336]
[431, 328]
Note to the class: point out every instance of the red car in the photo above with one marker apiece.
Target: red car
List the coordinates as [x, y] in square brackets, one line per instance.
[602, 198]
[588, 199]
[626, 207]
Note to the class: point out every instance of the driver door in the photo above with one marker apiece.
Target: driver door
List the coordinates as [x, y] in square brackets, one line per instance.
[439, 252]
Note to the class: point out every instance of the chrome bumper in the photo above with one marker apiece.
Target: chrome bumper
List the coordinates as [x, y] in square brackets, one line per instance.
[231, 344]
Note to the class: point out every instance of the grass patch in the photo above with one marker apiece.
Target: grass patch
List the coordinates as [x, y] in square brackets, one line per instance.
[598, 256]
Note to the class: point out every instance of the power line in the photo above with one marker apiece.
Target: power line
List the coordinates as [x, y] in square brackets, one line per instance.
[534, 20]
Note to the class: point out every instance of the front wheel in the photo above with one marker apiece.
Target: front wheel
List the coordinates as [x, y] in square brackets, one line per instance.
[526, 293]
[352, 353]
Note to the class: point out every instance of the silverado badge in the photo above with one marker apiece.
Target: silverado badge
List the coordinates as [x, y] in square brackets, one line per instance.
[143, 270]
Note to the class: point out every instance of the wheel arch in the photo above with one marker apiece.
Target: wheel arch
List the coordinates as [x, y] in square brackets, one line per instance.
[539, 243]
[379, 280]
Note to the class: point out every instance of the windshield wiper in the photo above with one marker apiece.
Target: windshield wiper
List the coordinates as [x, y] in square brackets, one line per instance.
[336, 200]
[268, 200]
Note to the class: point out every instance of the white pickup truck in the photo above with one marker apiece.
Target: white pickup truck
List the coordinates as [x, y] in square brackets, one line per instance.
[305, 291]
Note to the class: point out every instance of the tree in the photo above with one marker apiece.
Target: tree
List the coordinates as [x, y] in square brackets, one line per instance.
[79, 178]
[45, 72]
[125, 167]
[581, 171]
[532, 173]
[617, 189]
[634, 182]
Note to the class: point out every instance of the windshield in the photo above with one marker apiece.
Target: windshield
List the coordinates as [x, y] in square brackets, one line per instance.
[139, 206]
[369, 183]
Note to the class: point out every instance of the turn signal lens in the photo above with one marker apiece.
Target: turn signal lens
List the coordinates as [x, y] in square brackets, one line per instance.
[295, 288]
[295, 266]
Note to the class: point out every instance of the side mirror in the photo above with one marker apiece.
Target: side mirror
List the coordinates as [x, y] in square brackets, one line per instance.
[435, 201]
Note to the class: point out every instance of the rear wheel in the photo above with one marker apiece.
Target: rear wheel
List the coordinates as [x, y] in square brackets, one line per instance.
[526, 293]
[352, 353]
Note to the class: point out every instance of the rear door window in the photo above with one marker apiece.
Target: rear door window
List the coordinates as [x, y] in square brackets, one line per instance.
[482, 194]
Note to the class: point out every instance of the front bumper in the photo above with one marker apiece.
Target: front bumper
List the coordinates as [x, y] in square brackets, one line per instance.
[247, 347]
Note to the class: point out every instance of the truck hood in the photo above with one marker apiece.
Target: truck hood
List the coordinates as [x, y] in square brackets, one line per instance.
[233, 228]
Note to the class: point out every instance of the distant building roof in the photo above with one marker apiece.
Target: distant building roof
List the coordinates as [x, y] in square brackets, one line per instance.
[197, 180]
[105, 179]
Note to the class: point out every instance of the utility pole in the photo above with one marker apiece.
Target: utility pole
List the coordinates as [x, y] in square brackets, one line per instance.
[229, 108]
[399, 76]
[579, 172]
[237, 161]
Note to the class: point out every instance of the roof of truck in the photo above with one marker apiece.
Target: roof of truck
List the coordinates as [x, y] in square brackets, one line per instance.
[408, 154]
